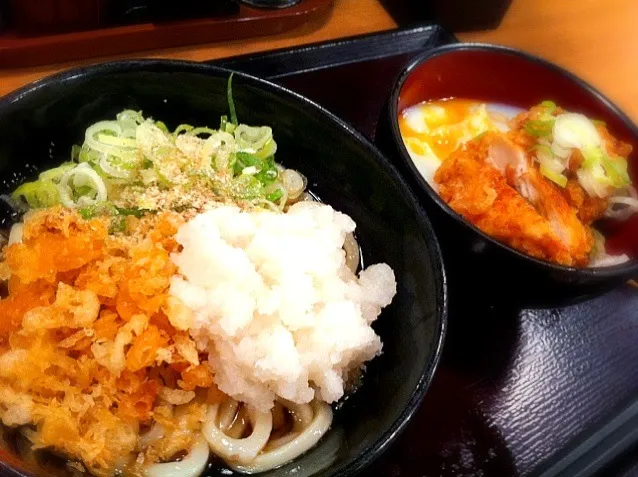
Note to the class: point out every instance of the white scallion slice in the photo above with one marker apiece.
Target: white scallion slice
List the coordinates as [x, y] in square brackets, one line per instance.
[252, 139]
[82, 175]
[294, 183]
[117, 141]
[594, 181]
[575, 131]
[552, 175]
[111, 170]
[15, 235]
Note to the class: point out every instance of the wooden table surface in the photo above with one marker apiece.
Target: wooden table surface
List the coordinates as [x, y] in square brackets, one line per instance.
[596, 40]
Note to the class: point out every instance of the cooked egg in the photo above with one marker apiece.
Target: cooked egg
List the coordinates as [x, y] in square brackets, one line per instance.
[433, 130]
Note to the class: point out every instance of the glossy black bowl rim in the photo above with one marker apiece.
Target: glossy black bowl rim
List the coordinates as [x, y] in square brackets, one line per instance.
[626, 270]
[178, 66]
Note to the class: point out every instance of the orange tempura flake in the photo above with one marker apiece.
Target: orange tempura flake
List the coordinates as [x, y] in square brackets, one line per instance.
[53, 243]
[196, 376]
[137, 399]
[87, 349]
[21, 299]
[143, 351]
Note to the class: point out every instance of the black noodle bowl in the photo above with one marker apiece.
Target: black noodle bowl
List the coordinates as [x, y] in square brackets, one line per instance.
[39, 124]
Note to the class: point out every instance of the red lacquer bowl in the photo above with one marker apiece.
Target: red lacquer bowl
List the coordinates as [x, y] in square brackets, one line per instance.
[503, 75]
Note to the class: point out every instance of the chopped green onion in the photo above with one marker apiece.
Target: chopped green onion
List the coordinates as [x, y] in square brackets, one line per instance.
[546, 157]
[226, 126]
[275, 196]
[162, 126]
[87, 213]
[88, 155]
[246, 159]
[252, 138]
[129, 115]
[268, 150]
[55, 174]
[38, 194]
[134, 211]
[201, 130]
[269, 174]
[103, 208]
[112, 166]
[86, 187]
[75, 153]
[539, 127]
[266, 168]
[118, 223]
[247, 187]
[544, 148]
[82, 191]
[553, 176]
[182, 128]
[162, 178]
[231, 102]
[598, 122]
[117, 141]
[616, 170]
[592, 156]
[550, 105]
[133, 151]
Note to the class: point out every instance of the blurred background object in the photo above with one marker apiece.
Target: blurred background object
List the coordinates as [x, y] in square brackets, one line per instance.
[47, 31]
[271, 3]
[47, 16]
[43, 16]
[52, 31]
[140, 11]
[455, 15]
[4, 14]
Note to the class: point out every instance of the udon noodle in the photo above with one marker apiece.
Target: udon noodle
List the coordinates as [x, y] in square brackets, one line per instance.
[248, 440]
[173, 297]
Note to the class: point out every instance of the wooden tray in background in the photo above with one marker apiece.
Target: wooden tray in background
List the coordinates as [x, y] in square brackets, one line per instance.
[21, 50]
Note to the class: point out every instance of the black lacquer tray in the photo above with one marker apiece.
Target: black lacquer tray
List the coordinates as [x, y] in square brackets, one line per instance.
[515, 385]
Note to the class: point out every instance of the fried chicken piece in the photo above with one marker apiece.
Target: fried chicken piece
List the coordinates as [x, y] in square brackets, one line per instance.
[538, 112]
[588, 208]
[613, 146]
[521, 173]
[493, 184]
[550, 203]
[591, 208]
